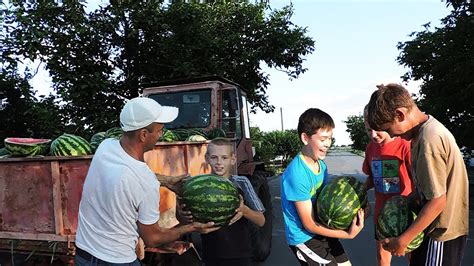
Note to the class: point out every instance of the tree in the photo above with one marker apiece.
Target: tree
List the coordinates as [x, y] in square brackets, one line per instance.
[99, 59]
[357, 133]
[443, 59]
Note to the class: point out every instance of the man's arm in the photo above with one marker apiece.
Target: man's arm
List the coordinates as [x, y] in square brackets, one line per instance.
[306, 214]
[427, 215]
[173, 183]
[153, 235]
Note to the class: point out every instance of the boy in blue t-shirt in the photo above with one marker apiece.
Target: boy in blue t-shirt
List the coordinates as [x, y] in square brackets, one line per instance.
[311, 242]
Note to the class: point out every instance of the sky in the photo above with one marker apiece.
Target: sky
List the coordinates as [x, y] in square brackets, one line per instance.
[355, 49]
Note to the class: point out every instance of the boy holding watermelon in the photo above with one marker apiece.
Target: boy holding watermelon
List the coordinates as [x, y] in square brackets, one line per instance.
[230, 245]
[388, 166]
[439, 175]
[311, 242]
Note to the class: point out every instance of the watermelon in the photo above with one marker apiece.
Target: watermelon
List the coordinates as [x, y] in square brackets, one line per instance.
[196, 138]
[114, 132]
[70, 145]
[4, 153]
[184, 133]
[211, 198]
[394, 218]
[168, 136]
[216, 133]
[339, 201]
[27, 146]
[96, 139]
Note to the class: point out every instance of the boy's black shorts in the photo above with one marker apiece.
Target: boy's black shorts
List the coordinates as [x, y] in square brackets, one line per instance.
[320, 250]
[432, 252]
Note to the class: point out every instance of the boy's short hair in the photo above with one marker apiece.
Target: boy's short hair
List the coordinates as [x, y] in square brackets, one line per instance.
[383, 103]
[312, 120]
[221, 142]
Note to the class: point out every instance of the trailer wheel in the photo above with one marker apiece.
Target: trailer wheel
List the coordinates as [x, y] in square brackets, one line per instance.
[261, 237]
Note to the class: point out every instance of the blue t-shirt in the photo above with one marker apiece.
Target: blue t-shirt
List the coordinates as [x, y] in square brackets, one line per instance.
[299, 183]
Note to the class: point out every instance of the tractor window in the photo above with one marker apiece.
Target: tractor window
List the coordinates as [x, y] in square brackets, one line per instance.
[245, 113]
[194, 107]
[231, 113]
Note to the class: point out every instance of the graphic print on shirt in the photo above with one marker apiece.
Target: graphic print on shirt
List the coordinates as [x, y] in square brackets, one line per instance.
[386, 176]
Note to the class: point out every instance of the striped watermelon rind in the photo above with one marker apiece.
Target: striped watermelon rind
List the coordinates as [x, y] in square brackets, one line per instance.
[182, 134]
[339, 201]
[70, 145]
[394, 218]
[216, 133]
[96, 139]
[114, 132]
[211, 198]
[27, 146]
[196, 138]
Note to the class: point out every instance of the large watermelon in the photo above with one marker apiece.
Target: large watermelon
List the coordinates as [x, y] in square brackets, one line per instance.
[96, 139]
[184, 133]
[394, 218]
[70, 145]
[114, 132]
[211, 198]
[194, 138]
[339, 201]
[216, 133]
[27, 146]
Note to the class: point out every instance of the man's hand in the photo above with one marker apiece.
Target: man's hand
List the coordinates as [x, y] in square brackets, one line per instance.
[239, 212]
[357, 224]
[204, 228]
[173, 183]
[183, 215]
[395, 245]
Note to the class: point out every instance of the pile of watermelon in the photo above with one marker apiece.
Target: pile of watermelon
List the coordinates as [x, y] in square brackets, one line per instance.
[394, 218]
[191, 134]
[338, 202]
[73, 145]
[211, 198]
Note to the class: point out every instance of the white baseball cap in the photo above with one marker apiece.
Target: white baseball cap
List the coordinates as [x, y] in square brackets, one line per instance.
[140, 112]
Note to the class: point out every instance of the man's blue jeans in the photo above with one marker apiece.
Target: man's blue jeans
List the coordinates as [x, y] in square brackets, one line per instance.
[93, 261]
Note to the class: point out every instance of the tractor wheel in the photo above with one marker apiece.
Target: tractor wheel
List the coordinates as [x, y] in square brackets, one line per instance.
[261, 237]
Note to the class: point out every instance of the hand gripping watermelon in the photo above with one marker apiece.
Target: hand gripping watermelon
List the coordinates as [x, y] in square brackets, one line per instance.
[27, 146]
[339, 201]
[394, 218]
[211, 198]
[70, 145]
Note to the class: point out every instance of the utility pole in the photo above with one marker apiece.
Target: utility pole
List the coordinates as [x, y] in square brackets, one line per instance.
[281, 115]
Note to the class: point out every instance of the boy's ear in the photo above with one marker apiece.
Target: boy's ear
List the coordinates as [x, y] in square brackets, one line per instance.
[233, 159]
[206, 158]
[401, 114]
[304, 138]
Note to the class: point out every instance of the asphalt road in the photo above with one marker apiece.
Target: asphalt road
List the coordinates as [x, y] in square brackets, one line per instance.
[360, 250]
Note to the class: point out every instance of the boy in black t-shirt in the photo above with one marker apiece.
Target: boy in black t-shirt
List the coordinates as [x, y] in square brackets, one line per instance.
[231, 245]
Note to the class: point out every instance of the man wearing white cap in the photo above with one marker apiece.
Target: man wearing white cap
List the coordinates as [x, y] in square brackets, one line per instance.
[121, 193]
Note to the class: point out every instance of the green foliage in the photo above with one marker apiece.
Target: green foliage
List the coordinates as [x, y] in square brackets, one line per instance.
[357, 133]
[271, 144]
[99, 59]
[443, 59]
[22, 115]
